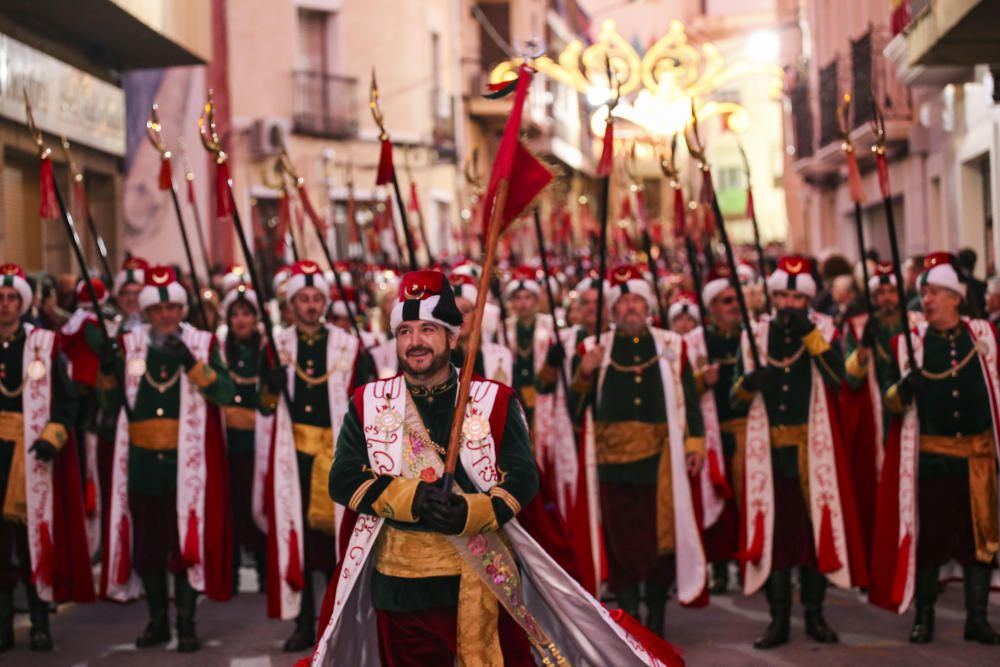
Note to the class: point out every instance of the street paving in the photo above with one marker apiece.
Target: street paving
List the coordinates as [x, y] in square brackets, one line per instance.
[238, 634]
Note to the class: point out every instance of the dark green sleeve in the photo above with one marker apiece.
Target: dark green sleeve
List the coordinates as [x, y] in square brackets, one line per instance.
[364, 371]
[515, 464]
[222, 390]
[267, 403]
[351, 467]
[92, 336]
[692, 403]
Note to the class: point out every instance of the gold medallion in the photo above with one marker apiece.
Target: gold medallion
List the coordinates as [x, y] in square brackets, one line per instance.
[388, 421]
[137, 367]
[36, 370]
[476, 428]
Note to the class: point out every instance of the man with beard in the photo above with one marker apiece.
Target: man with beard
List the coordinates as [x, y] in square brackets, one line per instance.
[320, 365]
[645, 432]
[434, 577]
[37, 411]
[528, 331]
[714, 350]
[799, 512]
[169, 489]
[493, 361]
[869, 373]
[938, 492]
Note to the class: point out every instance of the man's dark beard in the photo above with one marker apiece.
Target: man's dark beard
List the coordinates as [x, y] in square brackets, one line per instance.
[438, 362]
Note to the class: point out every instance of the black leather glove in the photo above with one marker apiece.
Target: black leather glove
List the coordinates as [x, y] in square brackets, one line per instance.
[109, 357]
[556, 355]
[43, 450]
[453, 514]
[870, 333]
[175, 348]
[275, 378]
[758, 380]
[910, 386]
[796, 320]
[442, 512]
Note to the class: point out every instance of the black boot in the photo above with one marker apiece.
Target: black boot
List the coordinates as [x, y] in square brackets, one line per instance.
[719, 580]
[186, 602]
[303, 638]
[628, 600]
[656, 608]
[813, 589]
[158, 629]
[977, 595]
[778, 589]
[926, 596]
[260, 563]
[38, 611]
[6, 619]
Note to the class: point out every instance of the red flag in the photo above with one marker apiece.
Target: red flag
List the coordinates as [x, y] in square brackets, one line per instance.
[48, 208]
[527, 176]
[223, 203]
[166, 177]
[680, 214]
[386, 171]
[882, 165]
[854, 178]
[414, 203]
[607, 150]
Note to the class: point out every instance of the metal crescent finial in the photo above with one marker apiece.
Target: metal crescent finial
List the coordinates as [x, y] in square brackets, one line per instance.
[273, 178]
[693, 139]
[614, 84]
[74, 169]
[377, 115]
[877, 125]
[843, 126]
[36, 134]
[668, 163]
[154, 132]
[472, 168]
[206, 130]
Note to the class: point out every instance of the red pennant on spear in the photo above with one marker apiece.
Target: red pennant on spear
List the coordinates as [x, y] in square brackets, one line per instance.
[517, 178]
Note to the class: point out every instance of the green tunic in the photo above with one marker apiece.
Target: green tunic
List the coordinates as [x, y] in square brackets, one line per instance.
[154, 473]
[950, 405]
[787, 399]
[351, 469]
[888, 328]
[63, 407]
[631, 396]
[244, 369]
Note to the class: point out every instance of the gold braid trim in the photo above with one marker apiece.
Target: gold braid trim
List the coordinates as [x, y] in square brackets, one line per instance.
[359, 494]
[202, 375]
[507, 497]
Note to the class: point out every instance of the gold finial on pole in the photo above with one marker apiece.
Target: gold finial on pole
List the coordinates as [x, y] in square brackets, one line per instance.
[74, 169]
[373, 104]
[36, 134]
[206, 130]
[696, 147]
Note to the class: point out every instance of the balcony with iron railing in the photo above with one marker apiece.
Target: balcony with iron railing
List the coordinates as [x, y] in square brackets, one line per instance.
[325, 105]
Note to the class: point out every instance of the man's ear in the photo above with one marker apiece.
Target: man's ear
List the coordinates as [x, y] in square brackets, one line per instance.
[451, 338]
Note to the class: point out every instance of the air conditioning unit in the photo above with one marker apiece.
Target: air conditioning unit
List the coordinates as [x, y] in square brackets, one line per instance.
[267, 134]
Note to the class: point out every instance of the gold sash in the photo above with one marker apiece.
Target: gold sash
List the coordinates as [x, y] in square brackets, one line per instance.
[154, 434]
[317, 442]
[978, 449]
[15, 505]
[795, 436]
[240, 419]
[628, 441]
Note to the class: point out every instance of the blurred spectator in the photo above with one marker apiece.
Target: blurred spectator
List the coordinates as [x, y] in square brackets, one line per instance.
[975, 290]
[993, 301]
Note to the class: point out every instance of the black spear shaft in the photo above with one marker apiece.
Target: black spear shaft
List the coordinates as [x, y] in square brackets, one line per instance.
[407, 234]
[187, 252]
[74, 241]
[859, 228]
[761, 262]
[602, 249]
[647, 246]
[548, 290]
[898, 271]
[692, 252]
[102, 249]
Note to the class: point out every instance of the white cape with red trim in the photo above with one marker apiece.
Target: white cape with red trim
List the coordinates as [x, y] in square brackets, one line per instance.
[191, 469]
[36, 407]
[578, 624]
[824, 490]
[711, 502]
[691, 565]
[286, 501]
[984, 338]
